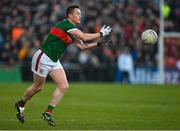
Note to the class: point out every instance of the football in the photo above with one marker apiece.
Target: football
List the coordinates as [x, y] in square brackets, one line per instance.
[149, 36]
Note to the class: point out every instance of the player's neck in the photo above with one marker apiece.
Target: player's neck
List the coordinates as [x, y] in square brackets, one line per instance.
[70, 21]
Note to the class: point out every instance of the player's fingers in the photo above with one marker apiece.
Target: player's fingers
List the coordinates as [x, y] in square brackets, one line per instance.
[108, 42]
[107, 28]
[103, 26]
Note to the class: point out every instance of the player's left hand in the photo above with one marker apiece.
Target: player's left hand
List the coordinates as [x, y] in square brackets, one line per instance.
[104, 42]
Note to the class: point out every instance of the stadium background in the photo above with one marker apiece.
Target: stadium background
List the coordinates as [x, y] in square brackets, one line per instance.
[25, 24]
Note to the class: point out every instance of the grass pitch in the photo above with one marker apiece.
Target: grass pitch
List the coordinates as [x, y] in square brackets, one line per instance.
[96, 106]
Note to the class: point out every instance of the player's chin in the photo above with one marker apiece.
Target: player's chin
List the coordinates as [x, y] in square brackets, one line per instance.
[78, 21]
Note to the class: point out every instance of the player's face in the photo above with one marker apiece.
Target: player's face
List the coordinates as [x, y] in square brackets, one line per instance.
[76, 16]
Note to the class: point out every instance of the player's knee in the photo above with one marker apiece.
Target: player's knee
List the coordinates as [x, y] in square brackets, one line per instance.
[64, 87]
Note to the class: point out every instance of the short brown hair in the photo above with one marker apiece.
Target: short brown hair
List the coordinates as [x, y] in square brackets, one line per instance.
[70, 9]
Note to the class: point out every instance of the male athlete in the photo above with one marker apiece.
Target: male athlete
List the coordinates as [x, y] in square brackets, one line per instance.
[46, 60]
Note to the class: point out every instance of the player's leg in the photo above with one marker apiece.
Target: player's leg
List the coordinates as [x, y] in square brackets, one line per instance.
[59, 77]
[34, 88]
[39, 78]
[31, 91]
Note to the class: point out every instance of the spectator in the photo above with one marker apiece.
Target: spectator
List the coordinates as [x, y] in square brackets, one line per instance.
[125, 66]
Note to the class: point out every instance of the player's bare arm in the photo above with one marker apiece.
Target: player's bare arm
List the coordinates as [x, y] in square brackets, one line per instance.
[91, 36]
[80, 44]
[84, 36]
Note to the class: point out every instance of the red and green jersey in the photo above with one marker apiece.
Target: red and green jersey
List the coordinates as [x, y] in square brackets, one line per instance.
[57, 40]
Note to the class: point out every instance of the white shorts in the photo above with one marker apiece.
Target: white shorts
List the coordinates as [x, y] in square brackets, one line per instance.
[42, 65]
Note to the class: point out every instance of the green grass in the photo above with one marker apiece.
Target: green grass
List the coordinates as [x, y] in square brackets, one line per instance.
[96, 106]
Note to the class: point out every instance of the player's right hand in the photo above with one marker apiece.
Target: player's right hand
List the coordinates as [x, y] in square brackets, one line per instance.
[105, 31]
[104, 42]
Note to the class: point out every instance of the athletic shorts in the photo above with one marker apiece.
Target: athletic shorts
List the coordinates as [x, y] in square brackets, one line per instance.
[42, 65]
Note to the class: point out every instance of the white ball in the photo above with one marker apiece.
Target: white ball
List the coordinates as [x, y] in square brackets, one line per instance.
[149, 36]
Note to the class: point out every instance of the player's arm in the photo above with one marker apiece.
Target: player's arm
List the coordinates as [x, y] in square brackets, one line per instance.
[85, 36]
[80, 44]
[90, 36]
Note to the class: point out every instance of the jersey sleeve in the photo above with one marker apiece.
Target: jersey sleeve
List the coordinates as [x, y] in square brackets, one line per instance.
[69, 26]
[71, 29]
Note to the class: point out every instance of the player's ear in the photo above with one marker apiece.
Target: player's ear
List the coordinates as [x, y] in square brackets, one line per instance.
[70, 15]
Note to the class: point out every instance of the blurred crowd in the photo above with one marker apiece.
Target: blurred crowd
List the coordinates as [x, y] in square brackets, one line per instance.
[171, 11]
[172, 54]
[24, 24]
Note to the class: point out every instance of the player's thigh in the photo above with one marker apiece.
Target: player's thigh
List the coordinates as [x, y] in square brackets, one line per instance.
[59, 77]
[38, 81]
